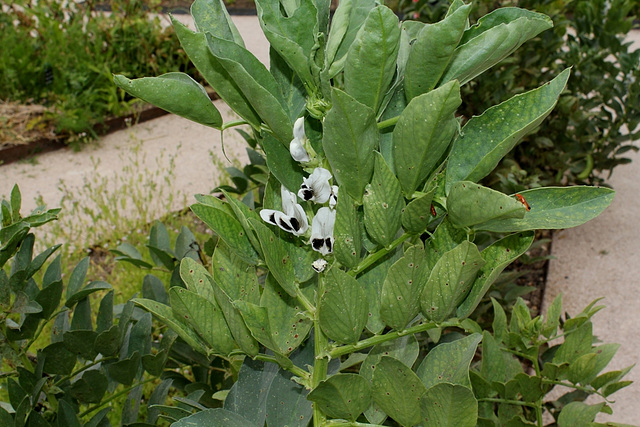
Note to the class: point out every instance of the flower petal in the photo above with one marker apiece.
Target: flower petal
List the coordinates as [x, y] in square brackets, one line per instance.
[322, 230]
[316, 187]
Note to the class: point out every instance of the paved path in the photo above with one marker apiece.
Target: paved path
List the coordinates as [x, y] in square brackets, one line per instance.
[601, 258]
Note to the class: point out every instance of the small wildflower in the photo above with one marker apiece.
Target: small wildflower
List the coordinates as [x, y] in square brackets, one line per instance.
[316, 187]
[322, 230]
[319, 265]
[296, 147]
[292, 218]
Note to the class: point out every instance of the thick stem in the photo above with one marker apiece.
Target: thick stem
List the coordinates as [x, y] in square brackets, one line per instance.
[378, 339]
[507, 401]
[371, 259]
[291, 368]
[388, 123]
[321, 361]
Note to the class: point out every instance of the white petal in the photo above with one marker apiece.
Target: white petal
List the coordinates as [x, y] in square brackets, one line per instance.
[297, 151]
[333, 199]
[317, 185]
[298, 129]
[269, 215]
[289, 201]
[322, 230]
[319, 265]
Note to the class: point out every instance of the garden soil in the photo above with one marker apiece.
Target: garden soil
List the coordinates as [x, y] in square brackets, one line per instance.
[598, 259]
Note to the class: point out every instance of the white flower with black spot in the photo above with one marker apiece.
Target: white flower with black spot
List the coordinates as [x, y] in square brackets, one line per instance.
[296, 147]
[322, 230]
[292, 218]
[316, 187]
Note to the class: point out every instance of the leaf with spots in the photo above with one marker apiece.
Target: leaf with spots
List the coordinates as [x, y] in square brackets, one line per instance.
[229, 230]
[423, 134]
[404, 349]
[445, 238]
[397, 390]
[343, 307]
[276, 256]
[257, 320]
[450, 281]
[449, 405]
[197, 279]
[497, 256]
[288, 321]
[204, 316]
[347, 232]
[486, 139]
[342, 396]
[400, 300]
[448, 362]
[383, 204]
[166, 315]
[237, 278]
[469, 204]
[417, 213]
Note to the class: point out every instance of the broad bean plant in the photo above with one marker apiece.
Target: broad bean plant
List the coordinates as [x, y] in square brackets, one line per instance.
[349, 292]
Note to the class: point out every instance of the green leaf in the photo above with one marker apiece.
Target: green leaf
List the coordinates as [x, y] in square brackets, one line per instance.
[197, 48]
[397, 390]
[49, 298]
[416, 214]
[140, 336]
[235, 277]
[154, 363]
[291, 34]
[486, 139]
[450, 281]
[371, 59]
[125, 371]
[257, 85]
[288, 322]
[383, 204]
[197, 279]
[423, 134]
[90, 387]
[81, 342]
[578, 414]
[108, 342]
[248, 395]
[281, 164]
[347, 232]
[82, 318]
[128, 253]
[343, 307]
[428, 59]
[292, 88]
[575, 344]
[400, 299]
[349, 17]
[404, 349]
[92, 287]
[153, 289]
[480, 50]
[449, 362]
[104, 320]
[257, 320]
[277, 257]
[16, 203]
[497, 256]
[470, 204]
[213, 417]
[67, 415]
[165, 314]
[372, 280]
[229, 230]
[204, 316]
[235, 321]
[556, 208]
[342, 396]
[211, 16]
[449, 405]
[350, 135]
[58, 360]
[176, 93]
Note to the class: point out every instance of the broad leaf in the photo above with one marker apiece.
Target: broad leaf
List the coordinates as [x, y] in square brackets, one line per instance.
[383, 204]
[450, 281]
[432, 51]
[449, 362]
[343, 307]
[397, 390]
[350, 136]
[449, 405]
[487, 138]
[347, 232]
[213, 417]
[579, 414]
[342, 396]
[372, 280]
[177, 93]
[371, 59]
[197, 279]
[423, 134]
[211, 16]
[415, 216]
[556, 208]
[400, 299]
[497, 256]
[470, 204]
[235, 277]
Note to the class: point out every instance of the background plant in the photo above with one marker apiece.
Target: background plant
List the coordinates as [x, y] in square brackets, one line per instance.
[62, 55]
[343, 297]
[596, 120]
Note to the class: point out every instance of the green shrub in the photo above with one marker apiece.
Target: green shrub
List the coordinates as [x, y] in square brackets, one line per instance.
[597, 117]
[62, 55]
[350, 292]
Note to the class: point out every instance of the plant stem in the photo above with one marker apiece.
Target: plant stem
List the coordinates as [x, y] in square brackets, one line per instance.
[41, 327]
[378, 339]
[388, 123]
[84, 368]
[233, 124]
[291, 368]
[114, 397]
[305, 302]
[507, 401]
[589, 390]
[371, 259]
[321, 361]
